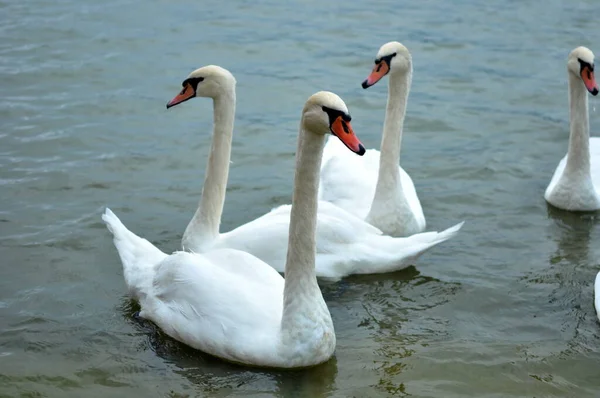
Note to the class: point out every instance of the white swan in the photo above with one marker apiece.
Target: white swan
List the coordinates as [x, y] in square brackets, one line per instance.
[382, 193]
[576, 181]
[227, 302]
[345, 244]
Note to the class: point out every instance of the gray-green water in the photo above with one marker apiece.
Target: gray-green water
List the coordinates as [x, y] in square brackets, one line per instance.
[504, 309]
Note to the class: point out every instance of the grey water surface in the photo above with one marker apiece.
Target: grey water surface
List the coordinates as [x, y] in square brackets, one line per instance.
[502, 310]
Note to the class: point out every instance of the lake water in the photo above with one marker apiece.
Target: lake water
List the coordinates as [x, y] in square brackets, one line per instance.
[504, 309]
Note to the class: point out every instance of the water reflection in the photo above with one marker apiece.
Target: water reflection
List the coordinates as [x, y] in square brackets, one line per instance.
[570, 263]
[571, 231]
[572, 270]
[403, 309]
[399, 313]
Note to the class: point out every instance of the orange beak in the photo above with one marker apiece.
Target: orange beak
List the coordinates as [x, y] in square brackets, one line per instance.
[587, 75]
[185, 94]
[343, 130]
[379, 70]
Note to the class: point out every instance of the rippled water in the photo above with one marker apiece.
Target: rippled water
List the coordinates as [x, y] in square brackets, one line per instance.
[504, 309]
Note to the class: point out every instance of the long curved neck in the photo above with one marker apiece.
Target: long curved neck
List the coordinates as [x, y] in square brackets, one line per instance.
[204, 226]
[302, 296]
[389, 175]
[578, 159]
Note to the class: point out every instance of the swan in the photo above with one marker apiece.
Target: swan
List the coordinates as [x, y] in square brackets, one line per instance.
[575, 183]
[229, 303]
[346, 244]
[383, 193]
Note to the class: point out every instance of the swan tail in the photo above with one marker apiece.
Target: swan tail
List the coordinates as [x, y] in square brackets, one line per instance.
[433, 238]
[425, 241]
[399, 253]
[138, 256]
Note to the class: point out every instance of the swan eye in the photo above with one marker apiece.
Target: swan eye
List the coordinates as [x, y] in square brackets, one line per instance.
[334, 114]
[387, 59]
[327, 110]
[587, 65]
[192, 81]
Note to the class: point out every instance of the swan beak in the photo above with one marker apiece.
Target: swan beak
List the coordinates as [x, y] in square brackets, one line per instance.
[185, 94]
[343, 130]
[379, 70]
[587, 75]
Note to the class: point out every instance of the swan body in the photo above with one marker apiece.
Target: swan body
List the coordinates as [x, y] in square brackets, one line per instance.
[210, 301]
[346, 244]
[384, 195]
[576, 181]
[229, 303]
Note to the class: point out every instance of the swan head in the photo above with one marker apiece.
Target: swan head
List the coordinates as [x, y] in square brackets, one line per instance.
[209, 81]
[581, 64]
[392, 58]
[326, 113]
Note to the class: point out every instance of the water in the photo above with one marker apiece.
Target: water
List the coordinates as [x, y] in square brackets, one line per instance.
[504, 309]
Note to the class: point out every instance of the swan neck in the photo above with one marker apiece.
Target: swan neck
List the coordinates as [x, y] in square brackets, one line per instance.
[578, 159]
[389, 175]
[204, 227]
[302, 295]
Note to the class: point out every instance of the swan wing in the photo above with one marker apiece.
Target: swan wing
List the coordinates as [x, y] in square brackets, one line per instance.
[209, 303]
[346, 244]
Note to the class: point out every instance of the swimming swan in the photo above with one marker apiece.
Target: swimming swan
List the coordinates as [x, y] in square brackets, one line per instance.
[383, 193]
[575, 183]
